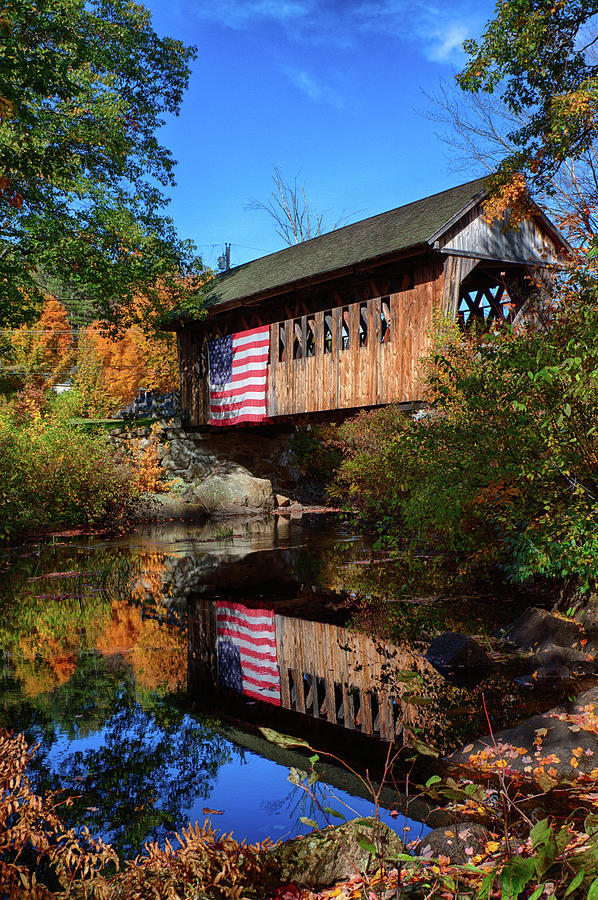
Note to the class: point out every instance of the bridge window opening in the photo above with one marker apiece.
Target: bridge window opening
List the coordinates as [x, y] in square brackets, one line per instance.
[375, 712]
[485, 305]
[281, 342]
[356, 695]
[297, 339]
[345, 328]
[363, 324]
[328, 331]
[320, 684]
[311, 336]
[385, 320]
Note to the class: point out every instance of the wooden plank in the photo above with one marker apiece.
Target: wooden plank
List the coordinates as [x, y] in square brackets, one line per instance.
[272, 371]
[336, 351]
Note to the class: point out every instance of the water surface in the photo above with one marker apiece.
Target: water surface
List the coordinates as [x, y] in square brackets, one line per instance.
[116, 662]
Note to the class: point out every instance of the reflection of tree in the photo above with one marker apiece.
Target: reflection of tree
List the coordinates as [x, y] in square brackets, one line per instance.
[157, 653]
[149, 767]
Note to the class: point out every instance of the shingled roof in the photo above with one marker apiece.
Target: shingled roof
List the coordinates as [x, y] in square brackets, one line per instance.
[381, 235]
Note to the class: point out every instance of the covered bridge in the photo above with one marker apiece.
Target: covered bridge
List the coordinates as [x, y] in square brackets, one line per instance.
[342, 321]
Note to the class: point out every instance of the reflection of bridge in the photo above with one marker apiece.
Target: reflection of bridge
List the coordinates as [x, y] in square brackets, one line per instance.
[325, 671]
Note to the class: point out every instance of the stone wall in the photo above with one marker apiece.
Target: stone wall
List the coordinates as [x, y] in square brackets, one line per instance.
[221, 471]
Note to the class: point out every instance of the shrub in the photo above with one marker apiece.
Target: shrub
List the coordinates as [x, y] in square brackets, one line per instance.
[502, 468]
[53, 473]
[35, 845]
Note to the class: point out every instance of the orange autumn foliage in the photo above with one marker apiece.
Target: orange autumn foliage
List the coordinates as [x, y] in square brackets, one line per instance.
[46, 348]
[131, 361]
[156, 652]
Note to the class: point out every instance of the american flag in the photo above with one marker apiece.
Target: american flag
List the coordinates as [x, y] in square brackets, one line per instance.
[247, 660]
[238, 374]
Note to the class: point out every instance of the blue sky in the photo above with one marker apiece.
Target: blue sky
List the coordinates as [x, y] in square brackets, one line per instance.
[331, 89]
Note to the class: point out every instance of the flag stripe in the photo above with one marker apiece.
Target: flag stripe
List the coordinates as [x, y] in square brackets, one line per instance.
[247, 659]
[238, 377]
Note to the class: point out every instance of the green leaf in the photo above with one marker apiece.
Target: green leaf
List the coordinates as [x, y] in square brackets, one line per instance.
[314, 759]
[424, 749]
[367, 823]
[310, 822]
[334, 812]
[435, 779]
[538, 892]
[545, 856]
[593, 891]
[515, 877]
[575, 883]
[590, 825]
[283, 740]
[406, 675]
[367, 846]
[486, 886]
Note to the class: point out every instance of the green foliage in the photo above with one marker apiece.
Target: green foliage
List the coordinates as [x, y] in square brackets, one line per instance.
[317, 452]
[53, 473]
[502, 470]
[534, 55]
[84, 88]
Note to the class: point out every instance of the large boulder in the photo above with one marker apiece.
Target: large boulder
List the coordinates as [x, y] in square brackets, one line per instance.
[559, 745]
[459, 843]
[536, 627]
[231, 490]
[560, 663]
[458, 656]
[334, 853]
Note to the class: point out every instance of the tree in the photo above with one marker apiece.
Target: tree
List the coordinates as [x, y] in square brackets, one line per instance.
[535, 55]
[84, 88]
[295, 218]
[44, 352]
[477, 129]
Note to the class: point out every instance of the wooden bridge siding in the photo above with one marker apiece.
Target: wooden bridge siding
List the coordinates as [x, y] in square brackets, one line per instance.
[378, 373]
[193, 369]
[317, 649]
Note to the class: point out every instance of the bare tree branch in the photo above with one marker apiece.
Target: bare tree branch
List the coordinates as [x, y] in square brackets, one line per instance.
[295, 218]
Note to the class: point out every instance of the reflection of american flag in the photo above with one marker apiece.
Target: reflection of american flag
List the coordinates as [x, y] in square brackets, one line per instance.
[247, 651]
[238, 373]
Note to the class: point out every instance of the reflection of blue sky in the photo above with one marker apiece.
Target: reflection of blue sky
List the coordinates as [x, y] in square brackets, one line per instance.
[257, 801]
[253, 793]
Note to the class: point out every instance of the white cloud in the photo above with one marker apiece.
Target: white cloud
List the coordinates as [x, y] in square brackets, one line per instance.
[315, 89]
[447, 45]
[437, 30]
[245, 13]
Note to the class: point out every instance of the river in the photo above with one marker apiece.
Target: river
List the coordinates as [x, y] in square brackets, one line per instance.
[145, 666]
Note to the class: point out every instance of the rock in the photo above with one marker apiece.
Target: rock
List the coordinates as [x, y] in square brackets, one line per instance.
[230, 491]
[456, 654]
[553, 672]
[551, 655]
[453, 840]
[163, 506]
[542, 746]
[323, 857]
[588, 617]
[536, 627]
[281, 501]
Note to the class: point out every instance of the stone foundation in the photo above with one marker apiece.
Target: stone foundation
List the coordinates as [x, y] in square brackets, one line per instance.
[223, 472]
